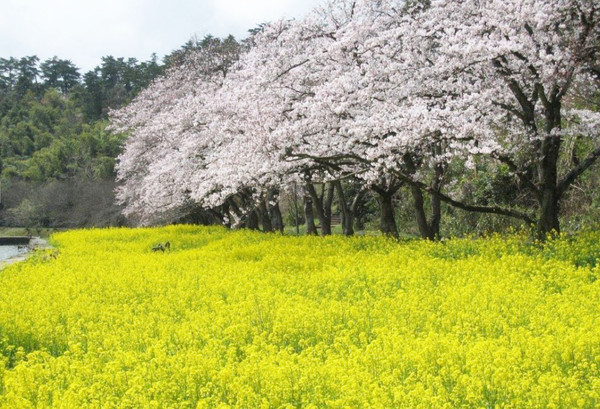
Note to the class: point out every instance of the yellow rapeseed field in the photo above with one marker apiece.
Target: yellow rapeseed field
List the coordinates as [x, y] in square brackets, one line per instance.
[248, 320]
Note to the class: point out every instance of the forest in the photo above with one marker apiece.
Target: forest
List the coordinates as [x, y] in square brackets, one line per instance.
[57, 158]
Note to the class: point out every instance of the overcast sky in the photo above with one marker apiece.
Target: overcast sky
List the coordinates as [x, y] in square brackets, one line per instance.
[85, 30]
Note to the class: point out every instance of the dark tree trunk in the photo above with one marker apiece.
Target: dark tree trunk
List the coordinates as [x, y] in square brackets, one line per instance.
[252, 220]
[275, 211]
[547, 188]
[296, 210]
[436, 203]
[358, 203]
[265, 218]
[549, 194]
[429, 229]
[323, 205]
[548, 216]
[436, 217]
[387, 223]
[327, 201]
[217, 215]
[385, 195]
[277, 218]
[419, 206]
[309, 215]
[347, 216]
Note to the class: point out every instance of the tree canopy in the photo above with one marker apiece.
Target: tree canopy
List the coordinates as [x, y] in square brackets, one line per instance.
[387, 93]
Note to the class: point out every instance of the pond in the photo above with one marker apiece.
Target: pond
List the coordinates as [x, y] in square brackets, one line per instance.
[11, 251]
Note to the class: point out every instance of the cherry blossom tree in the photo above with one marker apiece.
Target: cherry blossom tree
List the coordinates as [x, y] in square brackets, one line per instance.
[169, 139]
[387, 92]
[342, 95]
[289, 73]
[510, 71]
[494, 79]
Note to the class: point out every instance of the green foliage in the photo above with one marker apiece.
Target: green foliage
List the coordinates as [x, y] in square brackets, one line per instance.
[56, 157]
[113, 84]
[60, 74]
[27, 212]
[52, 126]
[48, 139]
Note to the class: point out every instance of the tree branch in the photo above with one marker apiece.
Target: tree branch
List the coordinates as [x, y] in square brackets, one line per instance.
[290, 68]
[467, 207]
[444, 198]
[512, 166]
[570, 177]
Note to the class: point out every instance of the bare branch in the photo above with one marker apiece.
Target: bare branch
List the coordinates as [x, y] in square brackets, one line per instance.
[465, 206]
[570, 177]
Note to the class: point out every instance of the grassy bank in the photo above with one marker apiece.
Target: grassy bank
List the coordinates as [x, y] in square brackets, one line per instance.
[24, 231]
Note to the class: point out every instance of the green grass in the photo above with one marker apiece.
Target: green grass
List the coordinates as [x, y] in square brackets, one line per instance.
[42, 232]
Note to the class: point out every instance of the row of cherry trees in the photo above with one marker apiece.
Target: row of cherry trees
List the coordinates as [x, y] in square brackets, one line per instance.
[375, 94]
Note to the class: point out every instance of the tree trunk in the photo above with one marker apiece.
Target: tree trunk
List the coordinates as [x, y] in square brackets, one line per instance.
[429, 229]
[436, 203]
[277, 218]
[296, 211]
[309, 215]
[347, 216]
[358, 203]
[387, 220]
[549, 194]
[265, 218]
[275, 211]
[548, 216]
[322, 205]
[252, 220]
[419, 207]
[385, 194]
[436, 217]
[327, 202]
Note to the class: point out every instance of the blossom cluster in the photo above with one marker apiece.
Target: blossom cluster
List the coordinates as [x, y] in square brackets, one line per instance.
[370, 90]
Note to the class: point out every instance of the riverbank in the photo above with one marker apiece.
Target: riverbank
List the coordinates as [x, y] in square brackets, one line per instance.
[42, 232]
[34, 244]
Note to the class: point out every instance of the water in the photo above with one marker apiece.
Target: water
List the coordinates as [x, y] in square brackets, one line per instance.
[11, 251]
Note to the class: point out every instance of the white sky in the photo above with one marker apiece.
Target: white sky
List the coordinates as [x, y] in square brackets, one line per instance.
[83, 31]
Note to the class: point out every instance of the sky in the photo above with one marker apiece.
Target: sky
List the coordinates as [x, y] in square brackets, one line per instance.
[83, 31]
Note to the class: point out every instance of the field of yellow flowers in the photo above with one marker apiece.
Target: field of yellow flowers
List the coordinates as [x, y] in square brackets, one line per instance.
[248, 320]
